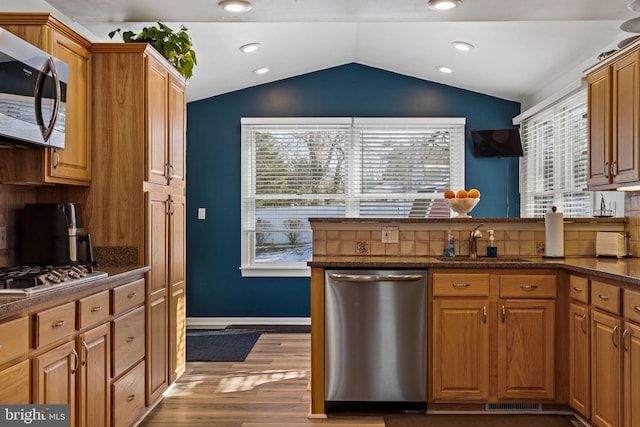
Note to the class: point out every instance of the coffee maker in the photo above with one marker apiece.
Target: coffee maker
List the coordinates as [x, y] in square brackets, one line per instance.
[54, 234]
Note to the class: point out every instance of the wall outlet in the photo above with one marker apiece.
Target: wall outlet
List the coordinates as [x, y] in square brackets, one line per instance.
[3, 238]
[202, 213]
[390, 235]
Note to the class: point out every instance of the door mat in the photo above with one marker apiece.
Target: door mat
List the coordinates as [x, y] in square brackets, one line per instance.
[481, 420]
[272, 329]
[219, 346]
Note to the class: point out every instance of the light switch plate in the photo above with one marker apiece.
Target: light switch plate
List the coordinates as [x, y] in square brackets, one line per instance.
[202, 213]
[390, 235]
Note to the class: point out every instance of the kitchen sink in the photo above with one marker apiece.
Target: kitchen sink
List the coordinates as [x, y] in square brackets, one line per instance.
[483, 259]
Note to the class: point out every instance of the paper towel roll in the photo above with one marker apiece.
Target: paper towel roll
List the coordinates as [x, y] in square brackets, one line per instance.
[554, 234]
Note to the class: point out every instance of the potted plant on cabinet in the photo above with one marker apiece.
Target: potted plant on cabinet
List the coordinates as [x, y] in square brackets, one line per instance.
[175, 46]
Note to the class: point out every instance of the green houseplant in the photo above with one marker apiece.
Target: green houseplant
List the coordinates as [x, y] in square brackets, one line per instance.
[175, 46]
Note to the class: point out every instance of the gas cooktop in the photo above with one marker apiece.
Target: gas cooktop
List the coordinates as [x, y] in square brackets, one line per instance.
[27, 280]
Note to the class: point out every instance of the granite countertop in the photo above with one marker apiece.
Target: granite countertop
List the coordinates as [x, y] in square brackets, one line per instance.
[625, 270]
[11, 304]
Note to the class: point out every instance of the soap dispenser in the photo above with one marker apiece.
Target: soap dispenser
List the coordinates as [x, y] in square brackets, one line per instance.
[492, 250]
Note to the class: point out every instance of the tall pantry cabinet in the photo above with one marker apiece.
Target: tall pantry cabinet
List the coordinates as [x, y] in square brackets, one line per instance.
[137, 198]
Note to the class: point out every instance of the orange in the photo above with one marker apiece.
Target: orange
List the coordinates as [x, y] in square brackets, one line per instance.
[462, 194]
[449, 194]
[474, 194]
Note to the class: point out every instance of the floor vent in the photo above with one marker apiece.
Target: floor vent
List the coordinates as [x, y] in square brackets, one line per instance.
[514, 407]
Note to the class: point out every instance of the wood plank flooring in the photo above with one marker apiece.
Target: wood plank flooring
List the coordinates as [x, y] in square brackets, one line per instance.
[269, 389]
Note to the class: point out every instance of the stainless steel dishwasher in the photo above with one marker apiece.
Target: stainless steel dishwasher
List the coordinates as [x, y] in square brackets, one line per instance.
[376, 340]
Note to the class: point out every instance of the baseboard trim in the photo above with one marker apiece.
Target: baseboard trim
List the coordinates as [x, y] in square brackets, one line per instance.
[223, 322]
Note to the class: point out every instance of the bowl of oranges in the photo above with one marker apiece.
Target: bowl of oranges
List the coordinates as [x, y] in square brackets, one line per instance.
[462, 201]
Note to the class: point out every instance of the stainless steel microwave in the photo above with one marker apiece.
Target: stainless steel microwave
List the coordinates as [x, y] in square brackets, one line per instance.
[33, 94]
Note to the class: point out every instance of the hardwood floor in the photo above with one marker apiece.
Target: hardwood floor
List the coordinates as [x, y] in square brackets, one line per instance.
[268, 389]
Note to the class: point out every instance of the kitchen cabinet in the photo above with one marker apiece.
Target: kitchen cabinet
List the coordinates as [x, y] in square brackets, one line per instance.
[614, 128]
[94, 377]
[460, 337]
[579, 346]
[526, 337]
[478, 317]
[135, 87]
[631, 358]
[72, 165]
[15, 376]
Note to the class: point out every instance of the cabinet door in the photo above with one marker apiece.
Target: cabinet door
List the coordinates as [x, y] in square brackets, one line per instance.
[94, 376]
[177, 332]
[579, 359]
[158, 242]
[177, 285]
[606, 367]
[74, 162]
[526, 349]
[599, 107]
[157, 138]
[16, 384]
[460, 350]
[157, 350]
[54, 377]
[177, 137]
[632, 376]
[625, 112]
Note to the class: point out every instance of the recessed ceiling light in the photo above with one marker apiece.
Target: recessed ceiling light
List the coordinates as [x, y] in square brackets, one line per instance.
[250, 47]
[463, 46]
[235, 6]
[263, 70]
[444, 4]
[445, 70]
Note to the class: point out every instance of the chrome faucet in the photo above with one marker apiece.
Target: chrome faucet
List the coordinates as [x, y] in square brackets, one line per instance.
[473, 241]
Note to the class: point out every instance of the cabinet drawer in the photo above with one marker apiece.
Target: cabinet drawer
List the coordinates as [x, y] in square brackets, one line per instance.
[128, 296]
[579, 288]
[128, 397]
[14, 339]
[55, 323]
[128, 341]
[460, 284]
[528, 286]
[93, 309]
[632, 305]
[605, 296]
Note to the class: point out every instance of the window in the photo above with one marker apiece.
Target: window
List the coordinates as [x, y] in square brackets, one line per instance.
[553, 171]
[297, 168]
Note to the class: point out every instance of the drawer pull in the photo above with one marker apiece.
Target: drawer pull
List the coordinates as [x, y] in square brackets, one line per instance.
[577, 289]
[58, 324]
[131, 397]
[130, 339]
[504, 314]
[529, 287]
[96, 309]
[131, 295]
[604, 297]
[636, 308]
[85, 347]
[484, 314]
[460, 285]
[624, 334]
[74, 353]
[583, 323]
[614, 334]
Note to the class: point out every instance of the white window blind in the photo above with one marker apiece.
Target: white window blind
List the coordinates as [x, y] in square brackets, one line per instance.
[297, 168]
[553, 171]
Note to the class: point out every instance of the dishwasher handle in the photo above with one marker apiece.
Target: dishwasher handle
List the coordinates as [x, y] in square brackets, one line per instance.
[376, 277]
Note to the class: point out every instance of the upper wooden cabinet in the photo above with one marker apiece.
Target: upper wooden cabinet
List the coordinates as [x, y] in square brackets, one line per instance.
[72, 165]
[614, 130]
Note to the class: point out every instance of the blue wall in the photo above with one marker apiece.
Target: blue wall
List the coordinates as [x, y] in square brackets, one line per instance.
[215, 286]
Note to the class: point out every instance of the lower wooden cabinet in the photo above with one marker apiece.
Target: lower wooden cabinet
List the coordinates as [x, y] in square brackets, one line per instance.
[631, 390]
[606, 369]
[16, 384]
[579, 359]
[94, 376]
[128, 395]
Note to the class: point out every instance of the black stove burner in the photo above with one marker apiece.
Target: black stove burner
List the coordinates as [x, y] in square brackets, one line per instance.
[25, 277]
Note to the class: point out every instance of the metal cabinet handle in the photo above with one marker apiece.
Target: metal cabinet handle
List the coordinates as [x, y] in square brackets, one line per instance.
[613, 337]
[484, 314]
[636, 308]
[577, 289]
[75, 355]
[130, 339]
[614, 166]
[529, 287]
[131, 397]
[171, 175]
[86, 353]
[376, 278]
[460, 285]
[131, 295]
[603, 297]
[58, 324]
[55, 158]
[96, 309]
[606, 169]
[624, 343]
[504, 314]
[583, 323]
